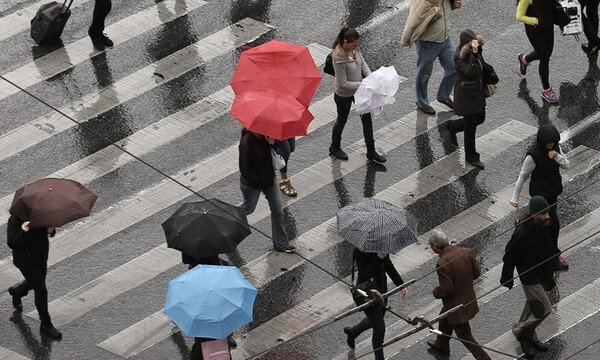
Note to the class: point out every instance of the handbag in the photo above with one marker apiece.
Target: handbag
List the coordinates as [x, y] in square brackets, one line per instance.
[365, 286]
[490, 89]
[328, 68]
[490, 79]
[278, 162]
[216, 350]
[561, 18]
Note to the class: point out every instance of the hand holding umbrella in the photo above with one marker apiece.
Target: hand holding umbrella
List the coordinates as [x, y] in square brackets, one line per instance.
[377, 90]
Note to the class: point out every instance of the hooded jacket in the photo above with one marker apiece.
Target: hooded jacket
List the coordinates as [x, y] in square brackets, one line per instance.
[348, 72]
[545, 178]
[469, 93]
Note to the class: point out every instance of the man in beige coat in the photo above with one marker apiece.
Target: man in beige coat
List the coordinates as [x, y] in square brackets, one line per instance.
[456, 269]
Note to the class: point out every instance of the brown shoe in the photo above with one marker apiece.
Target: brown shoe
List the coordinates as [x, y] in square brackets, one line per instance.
[427, 110]
[433, 345]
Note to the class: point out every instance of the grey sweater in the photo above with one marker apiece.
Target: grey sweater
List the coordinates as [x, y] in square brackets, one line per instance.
[348, 72]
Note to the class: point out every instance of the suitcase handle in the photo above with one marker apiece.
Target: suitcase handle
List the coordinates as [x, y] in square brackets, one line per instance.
[65, 3]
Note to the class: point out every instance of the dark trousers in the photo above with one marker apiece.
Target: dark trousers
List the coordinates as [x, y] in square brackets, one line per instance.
[35, 279]
[554, 222]
[468, 124]
[285, 149]
[543, 43]
[101, 10]
[343, 105]
[589, 18]
[463, 332]
[373, 320]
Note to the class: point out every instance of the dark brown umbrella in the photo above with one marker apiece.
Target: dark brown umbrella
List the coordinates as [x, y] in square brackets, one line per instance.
[52, 202]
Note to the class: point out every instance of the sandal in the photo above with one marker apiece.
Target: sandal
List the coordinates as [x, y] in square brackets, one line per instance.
[287, 188]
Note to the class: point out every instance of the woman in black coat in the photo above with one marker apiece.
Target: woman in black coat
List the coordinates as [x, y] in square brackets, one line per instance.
[30, 255]
[469, 93]
[373, 266]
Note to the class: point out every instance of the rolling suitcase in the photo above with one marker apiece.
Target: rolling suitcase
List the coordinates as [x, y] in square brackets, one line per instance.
[49, 21]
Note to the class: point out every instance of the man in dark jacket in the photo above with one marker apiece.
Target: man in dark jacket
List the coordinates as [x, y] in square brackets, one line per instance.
[456, 269]
[533, 253]
[96, 30]
[30, 255]
[258, 175]
[543, 162]
[469, 93]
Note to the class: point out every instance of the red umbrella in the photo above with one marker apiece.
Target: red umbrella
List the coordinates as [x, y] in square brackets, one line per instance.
[279, 66]
[52, 202]
[271, 113]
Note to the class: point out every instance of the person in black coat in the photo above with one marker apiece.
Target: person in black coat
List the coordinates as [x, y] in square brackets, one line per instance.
[532, 252]
[30, 248]
[257, 176]
[373, 266]
[96, 31]
[469, 93]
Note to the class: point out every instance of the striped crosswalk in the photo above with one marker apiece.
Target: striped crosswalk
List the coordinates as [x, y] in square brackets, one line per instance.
[431, 170]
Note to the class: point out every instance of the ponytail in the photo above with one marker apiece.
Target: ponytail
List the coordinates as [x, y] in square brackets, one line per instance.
[346, 34]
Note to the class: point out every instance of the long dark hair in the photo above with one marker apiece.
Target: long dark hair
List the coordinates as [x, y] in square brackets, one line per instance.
[347, 34]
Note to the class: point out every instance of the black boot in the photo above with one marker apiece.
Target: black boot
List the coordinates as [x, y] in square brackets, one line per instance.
[337, 152]
[373, 155]
[48, 329]
[350, 339]
[16, 298]
[525, 337]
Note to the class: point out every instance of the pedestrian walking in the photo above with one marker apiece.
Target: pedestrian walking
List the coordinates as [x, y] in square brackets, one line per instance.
[258, 176]
[350, 68]
[96, 31]
[532, 252]
[30, 248]
[429, 25]
[589, 19]
[285, 148]
[372, 267]
[543, 162]
[469, 93]
[456, 270]
[538, 17]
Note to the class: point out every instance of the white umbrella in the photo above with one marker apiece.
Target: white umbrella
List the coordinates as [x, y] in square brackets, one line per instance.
[377, 90]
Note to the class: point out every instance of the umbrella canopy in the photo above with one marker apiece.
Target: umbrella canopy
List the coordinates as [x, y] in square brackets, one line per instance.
[377, 90]
[271, 113]
[206, 228]
[374, 225]
[280, 66]
[52, 202]
[210, 301]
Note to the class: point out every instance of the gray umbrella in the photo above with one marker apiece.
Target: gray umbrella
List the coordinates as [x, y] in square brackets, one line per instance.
[374, 225]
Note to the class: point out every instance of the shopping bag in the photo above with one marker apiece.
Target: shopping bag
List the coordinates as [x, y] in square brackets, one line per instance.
[216, 350]
[573, 10]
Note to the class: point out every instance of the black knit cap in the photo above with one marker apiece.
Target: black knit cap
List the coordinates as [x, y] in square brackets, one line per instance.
[538, 205]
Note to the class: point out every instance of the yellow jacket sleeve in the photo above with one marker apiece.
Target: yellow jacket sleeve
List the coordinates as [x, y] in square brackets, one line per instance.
[522, 9]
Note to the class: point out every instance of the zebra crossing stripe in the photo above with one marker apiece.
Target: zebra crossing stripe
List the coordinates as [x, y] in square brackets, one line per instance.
[319, 307]
[483, 215]
[69, 56]
[135, 84]
[162, 132]
[20, 20]
[6, 354]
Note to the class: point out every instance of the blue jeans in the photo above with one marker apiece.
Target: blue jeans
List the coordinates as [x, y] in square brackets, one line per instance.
[428, 51]
[285, 149]
[273, 194]
[343, 105]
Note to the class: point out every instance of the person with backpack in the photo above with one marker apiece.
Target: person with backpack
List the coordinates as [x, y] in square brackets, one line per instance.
[538, 17]
[350, 68]
[30, 247]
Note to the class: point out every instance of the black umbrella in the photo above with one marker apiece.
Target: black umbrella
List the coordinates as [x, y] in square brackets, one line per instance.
[200, 229]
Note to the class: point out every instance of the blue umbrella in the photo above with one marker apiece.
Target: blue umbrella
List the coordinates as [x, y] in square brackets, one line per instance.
[210, 301]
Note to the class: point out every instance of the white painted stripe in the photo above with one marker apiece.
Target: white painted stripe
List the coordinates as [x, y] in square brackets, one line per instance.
[21, 20]
[133, 85]
[152, 137]
[133, 210]
[69, 56]
[6, 354]
[319, 307]
[476, 219]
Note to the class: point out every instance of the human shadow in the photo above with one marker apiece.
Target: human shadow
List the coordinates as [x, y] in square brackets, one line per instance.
[359, 11]
[343, 196]
[255, 9]
[372, 169]
[578, 101]
[40, 349]
[182, 347]
[541, 112]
